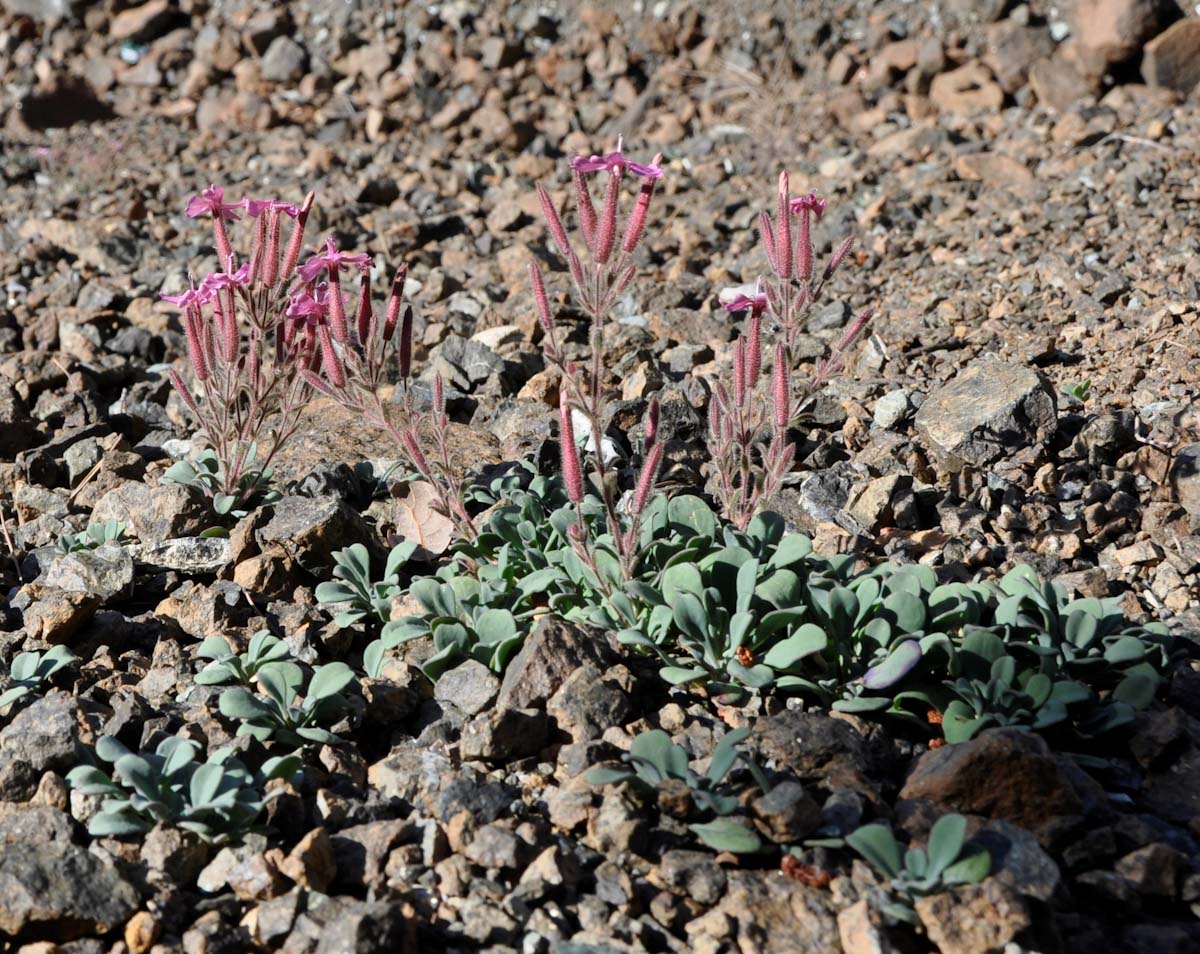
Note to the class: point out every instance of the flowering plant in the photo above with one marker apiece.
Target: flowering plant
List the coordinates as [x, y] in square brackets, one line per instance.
[748, 436]
[246, 352]
[607, 273]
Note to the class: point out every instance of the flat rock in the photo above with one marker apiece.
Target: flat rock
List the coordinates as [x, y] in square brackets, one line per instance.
[61, 892]
[988, 410]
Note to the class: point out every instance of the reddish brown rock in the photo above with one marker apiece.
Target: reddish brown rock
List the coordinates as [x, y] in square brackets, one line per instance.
[1172, 59]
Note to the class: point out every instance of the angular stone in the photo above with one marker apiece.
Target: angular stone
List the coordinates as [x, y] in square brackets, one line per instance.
[987, 411]
[284, 61]
[1112, 31]
[549, 655]
[975, 918]
[1172, 59]
[310, 529]
[588, 704]
[470, 687]
[61, 892]
[153, 512]
[1185, 478]
[186, 554]
[103, 572]
[775, 915]
[1056, 84]
[1001, 773]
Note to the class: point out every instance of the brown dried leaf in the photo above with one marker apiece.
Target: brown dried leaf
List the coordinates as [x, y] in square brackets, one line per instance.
[418, 520]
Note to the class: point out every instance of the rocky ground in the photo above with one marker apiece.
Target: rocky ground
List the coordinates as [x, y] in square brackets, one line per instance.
[1022, 179]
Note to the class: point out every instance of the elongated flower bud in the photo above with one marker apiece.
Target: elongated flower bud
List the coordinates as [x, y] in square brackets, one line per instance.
[296, 242]
[572, 473]
[587, 212]
[637, 218]
[392, 315]
[316, 383]
[224, 252]
[439, 396]
[714, 418]
[252, 370]
[754, 347]
[646, 479]
[330, 360]
[624, 279]
[652, 422]
[855, 329]
[271, 256]
[780, 391]
[607, 231]
[184, 393]
[363, 319]
[227, 321]
[839, 256]
[406, 344]
[553, 221]
[260, 242]
[539, 297]
[414, 453]
[576, 271]
[195, 346]
[804, 249]
[767, 232]
[783, 231]
[337, 308]
[739, 373]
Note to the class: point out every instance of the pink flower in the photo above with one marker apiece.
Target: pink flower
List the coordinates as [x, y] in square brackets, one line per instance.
[614, 162]
[812, 202]
[310, 308]
[757, 303]
[212, 202]
[256, 207]
[219, 280]
[192, 298]
[331, 259]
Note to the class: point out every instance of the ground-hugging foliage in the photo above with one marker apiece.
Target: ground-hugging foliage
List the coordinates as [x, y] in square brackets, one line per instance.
[217, 800]
[755, 611]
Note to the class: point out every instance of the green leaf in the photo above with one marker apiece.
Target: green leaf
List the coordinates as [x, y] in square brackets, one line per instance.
[117, 825]
[725, 754]
[807, 641]
[971, 870]
[877, 844]
[328, 681]
[237, 702]
[657, 748]
[725, 834]
[677, 675]
[945, 842]
[1125, 650]
[604, 776]
[205, 782]
[495, 626]
[903, 658]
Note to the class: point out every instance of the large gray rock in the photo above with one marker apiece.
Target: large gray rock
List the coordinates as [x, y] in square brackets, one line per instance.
[45, 734]
[988, 411]
[553, 651]
[153, 512]
[58, 891]
[1185, 478]
[103, 572]
[309, 529]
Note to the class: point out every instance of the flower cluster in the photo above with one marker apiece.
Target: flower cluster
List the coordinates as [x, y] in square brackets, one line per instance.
[748, 437]
[246, 359]
[598, 283]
